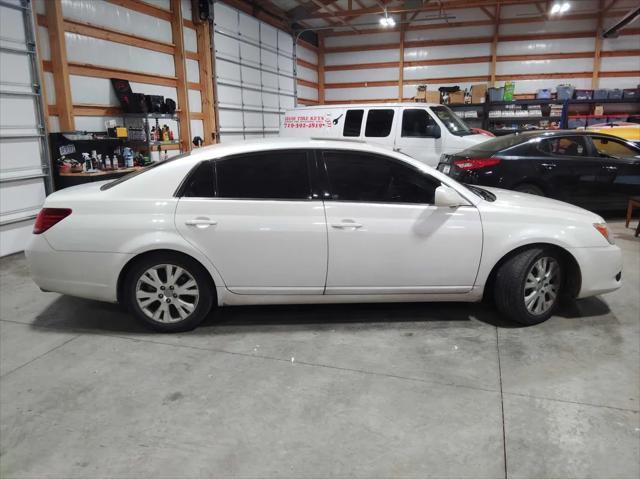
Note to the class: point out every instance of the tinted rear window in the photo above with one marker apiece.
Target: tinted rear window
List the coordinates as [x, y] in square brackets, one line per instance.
[499, 143]
[379, 123]
[353, 123]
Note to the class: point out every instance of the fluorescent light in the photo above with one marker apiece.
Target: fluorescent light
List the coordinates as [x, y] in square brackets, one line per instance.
[383, 21]
[555, 9]
[565, 7]
[391, 22]
[559, 8]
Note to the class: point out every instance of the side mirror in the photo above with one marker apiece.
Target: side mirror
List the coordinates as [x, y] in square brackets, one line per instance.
[432, 131]
[446, 196]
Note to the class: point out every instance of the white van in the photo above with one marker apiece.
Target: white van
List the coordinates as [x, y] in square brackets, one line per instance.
[421, 130]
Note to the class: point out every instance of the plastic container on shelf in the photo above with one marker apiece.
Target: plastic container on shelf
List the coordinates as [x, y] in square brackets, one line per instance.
[630, 94]
[496, 93]
[577, 123]
[583, 94]
[615, 94]
[601, 94]
[565, 92]
[544, 94]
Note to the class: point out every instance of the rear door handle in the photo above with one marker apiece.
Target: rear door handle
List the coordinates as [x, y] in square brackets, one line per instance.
[610, 167]
[346, 225]
[549, 166]
[201, 222]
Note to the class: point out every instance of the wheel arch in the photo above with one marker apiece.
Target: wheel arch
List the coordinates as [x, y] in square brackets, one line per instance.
[145, 254]
[531, 181]
[572, 281]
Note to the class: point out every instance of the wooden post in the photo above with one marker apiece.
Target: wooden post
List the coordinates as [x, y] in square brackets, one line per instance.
[595, 80]
[401, 63]
[181, 75]
[320, 69]
[203, 32]
[494, 47]
[55, 25]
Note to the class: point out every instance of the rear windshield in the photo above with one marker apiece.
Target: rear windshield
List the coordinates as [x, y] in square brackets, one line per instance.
[499, 143]
[124, 178]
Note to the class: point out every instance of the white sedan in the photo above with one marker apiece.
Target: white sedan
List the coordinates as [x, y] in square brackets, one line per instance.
[305, 221]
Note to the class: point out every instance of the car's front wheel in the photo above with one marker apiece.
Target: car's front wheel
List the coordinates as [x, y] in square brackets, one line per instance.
[528, 286]
[169, 292]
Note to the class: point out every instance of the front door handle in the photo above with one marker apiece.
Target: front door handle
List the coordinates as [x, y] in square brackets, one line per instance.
[610, 167]
[549, 166]
[346, 225]
[201, 222]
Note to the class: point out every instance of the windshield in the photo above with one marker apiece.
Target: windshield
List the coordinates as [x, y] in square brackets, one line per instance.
[124, 178]
[453, 123]
[481, 192]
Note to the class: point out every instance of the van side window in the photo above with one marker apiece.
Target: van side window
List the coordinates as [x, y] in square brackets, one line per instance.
[379, 123]
[353, 123]
[416, 123]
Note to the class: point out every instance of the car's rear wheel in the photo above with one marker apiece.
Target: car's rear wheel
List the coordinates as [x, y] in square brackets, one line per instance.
[528, 286]
[169, 292]
[529, 189]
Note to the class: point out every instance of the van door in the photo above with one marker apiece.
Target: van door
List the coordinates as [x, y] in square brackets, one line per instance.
[379, 127]
[419, 136]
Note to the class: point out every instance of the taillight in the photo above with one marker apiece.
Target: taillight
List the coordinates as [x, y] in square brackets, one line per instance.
[49, 217]
[476, 163]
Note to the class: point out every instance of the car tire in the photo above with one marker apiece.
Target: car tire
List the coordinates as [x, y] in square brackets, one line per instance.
[528, 286]
[169, 292]
[529, 189]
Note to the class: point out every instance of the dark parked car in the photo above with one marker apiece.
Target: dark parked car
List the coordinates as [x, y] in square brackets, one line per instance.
[593, 170]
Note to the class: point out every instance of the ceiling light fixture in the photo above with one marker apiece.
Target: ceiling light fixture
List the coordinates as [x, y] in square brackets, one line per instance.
[387, 21]
[560, 8]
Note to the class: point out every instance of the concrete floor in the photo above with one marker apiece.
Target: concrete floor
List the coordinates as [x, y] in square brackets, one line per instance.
[418, 390]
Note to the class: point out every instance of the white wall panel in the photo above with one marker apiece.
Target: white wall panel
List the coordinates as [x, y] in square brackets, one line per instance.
[195, 101]
[21, 195]
[20, 157]
[117, 18]
[82, 49]
[308, 74]
[373, 56]
[43, 43]
[371, 93]
[567, 65]
[445, 71]
[530, 86]
[553, 26]
[190, 39]
[166, 4]
[620, 82]
[345, 76]
[99, 91]
[307, 55]
[452, 51]
[54, 124]
[50, 87]
[197, 129]
[449, 33]
[531, 47]
[12, 29]
[366, 39]
[39, 6]
[15, 70]
[625, 42]
[193, 71]
[619, 63]
[307, 93]
[185, 7]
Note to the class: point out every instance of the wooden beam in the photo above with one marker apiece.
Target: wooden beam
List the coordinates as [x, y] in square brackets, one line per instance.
[96, 110]
[596, 54]
[96, 71]
[488, 13]
[181, 74]
[192, 85]
[191, 55]
[307, 83]
[401, 62]
[143, 7]
[307, 101]
[306, 64]
[203, 35]
[60, 65]
[321, 79]
[305, 44]
[494, 47]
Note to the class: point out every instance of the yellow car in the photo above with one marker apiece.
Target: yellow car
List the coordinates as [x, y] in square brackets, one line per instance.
[626, 131]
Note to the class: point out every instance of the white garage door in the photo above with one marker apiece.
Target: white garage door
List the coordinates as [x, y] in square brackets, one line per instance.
[255, 80]
[24, 163]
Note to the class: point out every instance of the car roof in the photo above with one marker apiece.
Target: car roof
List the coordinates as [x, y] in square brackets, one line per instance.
[366, 105]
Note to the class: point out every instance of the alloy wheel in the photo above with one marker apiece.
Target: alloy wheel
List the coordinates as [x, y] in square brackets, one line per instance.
[167, 293]
[541, 285]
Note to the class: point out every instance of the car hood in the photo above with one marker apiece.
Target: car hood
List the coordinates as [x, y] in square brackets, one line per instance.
[546, 207]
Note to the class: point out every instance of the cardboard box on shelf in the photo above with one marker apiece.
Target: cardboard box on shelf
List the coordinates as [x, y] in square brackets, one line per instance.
[478, 93]
[428, 96]
[456, 97]
[598, 110]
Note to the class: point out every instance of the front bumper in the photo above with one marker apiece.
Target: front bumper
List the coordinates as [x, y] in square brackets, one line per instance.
[600, 269]
[76, 273]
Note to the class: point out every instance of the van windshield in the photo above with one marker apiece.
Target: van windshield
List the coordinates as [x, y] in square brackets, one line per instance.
[453, 123]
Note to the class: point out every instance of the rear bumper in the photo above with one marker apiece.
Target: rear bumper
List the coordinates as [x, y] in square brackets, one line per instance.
[600, 269]
[76, 273]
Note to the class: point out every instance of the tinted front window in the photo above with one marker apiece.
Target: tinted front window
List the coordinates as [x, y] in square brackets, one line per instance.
[416, 123]
[200, 182]
[369, 178]
[563, 146]
[267, 175]
[608, 148]
[379, 123]
[353, 123]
